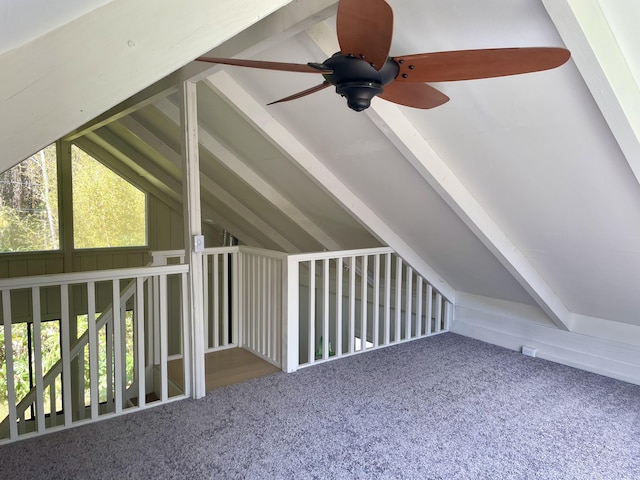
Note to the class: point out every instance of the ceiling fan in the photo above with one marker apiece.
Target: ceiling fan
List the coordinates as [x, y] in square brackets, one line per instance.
[363, 69]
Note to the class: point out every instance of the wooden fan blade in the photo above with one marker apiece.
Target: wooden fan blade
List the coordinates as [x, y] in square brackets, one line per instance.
[365, 28]
[417, 95]
[286, 67]
[474, 64]
[304, 93]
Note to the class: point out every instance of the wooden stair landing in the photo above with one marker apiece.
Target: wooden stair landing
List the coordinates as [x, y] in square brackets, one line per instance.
[226, 367]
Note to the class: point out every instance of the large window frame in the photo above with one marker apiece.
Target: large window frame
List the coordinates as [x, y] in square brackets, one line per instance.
[65, 207]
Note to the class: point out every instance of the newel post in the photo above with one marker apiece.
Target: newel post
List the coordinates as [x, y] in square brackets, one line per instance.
[290, 342]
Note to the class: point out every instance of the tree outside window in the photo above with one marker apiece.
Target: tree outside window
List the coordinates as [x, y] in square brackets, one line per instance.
[108, 211]
[29, 204]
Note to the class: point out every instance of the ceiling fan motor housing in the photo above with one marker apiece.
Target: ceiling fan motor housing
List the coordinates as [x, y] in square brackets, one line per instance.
[357, 80]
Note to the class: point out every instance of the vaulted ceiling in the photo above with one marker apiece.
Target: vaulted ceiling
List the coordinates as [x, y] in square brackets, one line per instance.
[521, 188]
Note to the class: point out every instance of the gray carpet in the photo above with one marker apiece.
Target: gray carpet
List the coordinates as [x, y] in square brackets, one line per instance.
[445, 407]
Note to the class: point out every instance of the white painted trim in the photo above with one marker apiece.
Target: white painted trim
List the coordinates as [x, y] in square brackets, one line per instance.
[281, 138]
[607, 329]
[290, 332]
[95, 276]
[595, 51]
[513, 325]
[305, 257]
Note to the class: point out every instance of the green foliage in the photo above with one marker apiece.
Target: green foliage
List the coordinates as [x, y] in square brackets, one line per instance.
[108, 211]
[50, 338]
[29, 204]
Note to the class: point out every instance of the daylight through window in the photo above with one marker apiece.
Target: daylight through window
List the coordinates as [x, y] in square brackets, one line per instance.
[108, 211]
[29, 204]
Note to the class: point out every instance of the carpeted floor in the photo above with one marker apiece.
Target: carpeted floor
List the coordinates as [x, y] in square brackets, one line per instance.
[445, 407]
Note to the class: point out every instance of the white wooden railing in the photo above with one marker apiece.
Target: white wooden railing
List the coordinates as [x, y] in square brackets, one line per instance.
[291, 310]
[343, 303]
[243, 298]
[262, 302]
[77, 292]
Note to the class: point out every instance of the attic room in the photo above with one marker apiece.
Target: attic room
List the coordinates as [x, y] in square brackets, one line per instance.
[449, 244]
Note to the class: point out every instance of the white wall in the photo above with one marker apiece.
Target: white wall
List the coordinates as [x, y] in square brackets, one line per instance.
[513, 325]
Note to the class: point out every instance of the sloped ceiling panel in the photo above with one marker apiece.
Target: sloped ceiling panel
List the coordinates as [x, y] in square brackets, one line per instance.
[533, 150]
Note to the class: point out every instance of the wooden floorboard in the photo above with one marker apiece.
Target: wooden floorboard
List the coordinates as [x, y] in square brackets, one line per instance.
[226, 367]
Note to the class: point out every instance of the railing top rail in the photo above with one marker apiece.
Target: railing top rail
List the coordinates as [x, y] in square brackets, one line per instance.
[166, 253]
[213, 250]
[94, 276]
[303, 257]
[263, 252]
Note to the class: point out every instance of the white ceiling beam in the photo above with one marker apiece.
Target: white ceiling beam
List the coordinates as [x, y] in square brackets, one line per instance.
[595, 51]
[65, 78]
[255, 181]
[401, 132]
[279, 136]
[161, 89]
[290, 20]
[209, 186]
[281, 24]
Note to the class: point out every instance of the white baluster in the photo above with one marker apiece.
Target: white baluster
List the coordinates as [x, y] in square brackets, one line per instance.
[429, 309]
[225, 299]
[205, 304]
[409, 304]
[438, 312]
[352, 305]
[364, 278]
[118, 345]
[8, 348]
[376, 301]
[93, 350]
[312, 311]
[164, 395]
[65, 334]
[37, 353]
[398, 299]
[387, 299]
[339, 270]
[325, 309]
[140, 351]
[419, 307]
[186, 338]
[216, 300]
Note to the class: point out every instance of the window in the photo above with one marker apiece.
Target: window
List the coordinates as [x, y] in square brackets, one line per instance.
[108, 211]
[29, 204]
